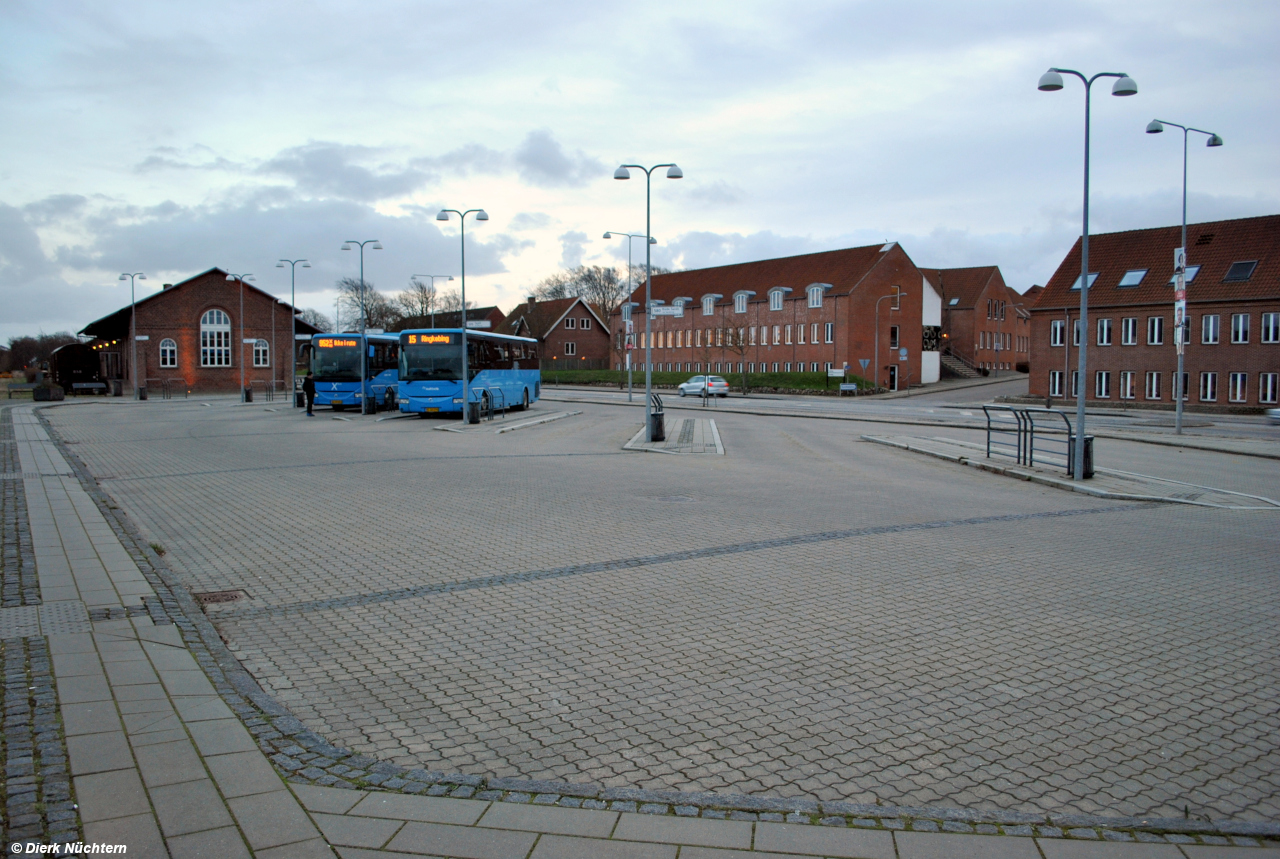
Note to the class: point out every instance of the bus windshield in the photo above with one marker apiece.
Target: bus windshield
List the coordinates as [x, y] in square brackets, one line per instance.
[336, 359]
[439, 360]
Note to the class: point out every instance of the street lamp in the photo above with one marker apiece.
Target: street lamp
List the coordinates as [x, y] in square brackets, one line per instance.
[623, 172]
[896, 295]
[481, 215]
[133, 327]
[627, 352]
[293, 322]
[364, 343]
[1051, 81]
[242, 278]
[433, 277]
[1181, 340]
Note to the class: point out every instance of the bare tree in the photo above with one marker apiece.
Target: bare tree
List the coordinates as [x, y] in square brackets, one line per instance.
[378, 311]
[420, 299]
[316, 319]
[30, 351]
[450, 301]
[735, 341]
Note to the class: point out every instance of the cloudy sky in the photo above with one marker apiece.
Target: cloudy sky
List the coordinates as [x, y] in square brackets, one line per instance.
[171, 137]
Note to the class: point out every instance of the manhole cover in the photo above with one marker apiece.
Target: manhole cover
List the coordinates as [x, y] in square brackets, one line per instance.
[220, 597]
[675, 498]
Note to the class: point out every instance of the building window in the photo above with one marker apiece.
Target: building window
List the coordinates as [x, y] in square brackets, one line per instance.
[1104, 332]
[708, 305]
[1127, 384]
[1239, 328]
[787, 335]
[571, 348]
[1153, 386]
[1238, 387]
[261, 353]
[777, 335]
[813, 333]
[168, 353]
[1208, 387]
[1057, 332]
[1055, 383]
[570, 322]
[1240, 271]
[1075, 383]
[1129, 331]
[1190, 275]
[775, 299]
[626, 312]
[1093, 276]
[585, 323]
[1102, 384]
[1267, 387]
[893, 337]
[815, 296]
[800, 334]
[215, 339]
[775, 366]
[719, 337]
[1155, 330]
[1076, 331]
[751, 334]
[1132, 277]
[1271, 328]
[1209, 328]
[740, 303]
[1186, 387]
[831, 332]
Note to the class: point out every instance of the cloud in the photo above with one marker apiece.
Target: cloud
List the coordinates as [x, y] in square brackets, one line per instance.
[330, 170]
[530, 221]
[54, 208]
[572, 244]
[542, 161]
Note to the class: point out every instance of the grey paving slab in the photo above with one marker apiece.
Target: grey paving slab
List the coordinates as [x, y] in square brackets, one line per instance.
[76, 690]
[561, 821]
[824, 841]
[243, 773]
[92, 753]
[563, 847]
[364, 853]
[201, 708]
[463, 842]
[138, 833]
[191, 806]
[351, 831]
[93, 717]
[329, 800]
[1213, 851]
[210, 844]
[272, 819]
[169, 763]
[421, 808]
[221, 737]
[1054, 848]
[928, 845]
[104, 796]
[315, 848]
[186, 683]
[719, 853]
[679, 830]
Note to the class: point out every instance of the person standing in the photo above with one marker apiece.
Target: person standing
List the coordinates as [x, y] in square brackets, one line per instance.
[309, 391]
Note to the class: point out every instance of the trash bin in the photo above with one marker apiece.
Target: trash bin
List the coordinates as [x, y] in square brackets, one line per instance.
[117, 387]
[142, 392]
[657, 426]
[1088, 456]
[299, 399]
[473, 412]
[248, 395]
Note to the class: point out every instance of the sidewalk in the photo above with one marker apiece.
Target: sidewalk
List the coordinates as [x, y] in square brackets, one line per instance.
[118, 730]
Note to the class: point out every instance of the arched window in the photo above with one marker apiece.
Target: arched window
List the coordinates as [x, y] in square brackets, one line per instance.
[215, 339]
[168, 353]
[740, 303]
[815, 296]
[261, 354]
[776, 295]
[708, 306]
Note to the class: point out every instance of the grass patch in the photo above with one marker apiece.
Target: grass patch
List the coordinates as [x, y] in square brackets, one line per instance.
[157, 548]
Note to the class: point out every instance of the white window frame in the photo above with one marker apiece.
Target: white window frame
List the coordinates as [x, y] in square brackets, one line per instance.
[777, 335]
[1104, 332]
[1208, 387]
[261, 353]
[1239, 328]
[168, 354]
[740, 303]
[815, 296]
[1238, 388]
[1077, 329]
[1210, 328]
[1155, 330]
[1102, 385]
[1129, 331]
[800, 329]
[1270, 328]
[1127, 384]
[831, 333]
[1268, 383]
[215, 338]
[585, 323]
[1151, 391]
[1058, 332]
[570, 322]
[1055, 383]
[786, 336]
[571, 348]
[1075, 384]
[708, 306]
[813, 333]
[775, 299]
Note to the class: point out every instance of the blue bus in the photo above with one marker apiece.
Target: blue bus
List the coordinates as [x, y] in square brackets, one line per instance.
[335, 367]
[503, 370]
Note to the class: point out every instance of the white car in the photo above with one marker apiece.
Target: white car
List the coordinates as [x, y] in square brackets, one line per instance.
[1273, 415]
[714, 385]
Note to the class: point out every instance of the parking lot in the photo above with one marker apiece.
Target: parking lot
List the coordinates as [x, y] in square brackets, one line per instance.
[807, 615]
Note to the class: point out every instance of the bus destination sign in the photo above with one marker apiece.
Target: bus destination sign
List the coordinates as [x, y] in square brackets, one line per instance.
[336, 342]
[430, 339]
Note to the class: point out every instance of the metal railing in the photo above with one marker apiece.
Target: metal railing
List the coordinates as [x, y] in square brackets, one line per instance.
[1033, 436]
[268, 389]
[491, 401]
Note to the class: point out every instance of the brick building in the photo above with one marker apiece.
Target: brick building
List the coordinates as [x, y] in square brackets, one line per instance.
[453, 319]
[195, 335]
[985, 323]
[572, 333]
[1232, 359]
[804, 313]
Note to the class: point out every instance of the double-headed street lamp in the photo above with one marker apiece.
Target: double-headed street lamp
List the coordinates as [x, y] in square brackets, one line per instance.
[1182, 331]
[133, 327]
[1051, 81]
[623, 172]
[232, 278]
[293, 322]
[364, 345]
[625, 335]
[434, 278]
[481, 215]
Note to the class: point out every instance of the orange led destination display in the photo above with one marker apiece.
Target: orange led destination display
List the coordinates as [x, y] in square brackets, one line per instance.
[430, 339]
[333, 342]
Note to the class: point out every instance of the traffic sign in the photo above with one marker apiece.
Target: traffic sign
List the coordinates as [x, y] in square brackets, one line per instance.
[902, 354]
[864, 362]
[666, 310]
[479, 323]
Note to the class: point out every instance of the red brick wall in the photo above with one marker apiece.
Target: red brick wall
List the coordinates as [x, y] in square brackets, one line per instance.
[592, 344]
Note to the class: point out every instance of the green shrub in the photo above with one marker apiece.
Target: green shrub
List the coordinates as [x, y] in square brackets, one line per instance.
[755, 381]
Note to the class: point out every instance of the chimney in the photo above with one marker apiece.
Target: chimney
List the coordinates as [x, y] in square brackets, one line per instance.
[168, 286]
[532, 301]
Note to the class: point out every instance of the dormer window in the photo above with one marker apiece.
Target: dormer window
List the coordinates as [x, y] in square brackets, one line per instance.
[775, 298]
[815, 296]
[708, 305]
[740, 303]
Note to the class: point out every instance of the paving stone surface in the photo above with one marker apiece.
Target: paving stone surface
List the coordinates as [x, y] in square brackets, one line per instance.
[805, 617]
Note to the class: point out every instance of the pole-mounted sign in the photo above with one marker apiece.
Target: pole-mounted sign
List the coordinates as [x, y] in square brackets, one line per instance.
[1179, 298]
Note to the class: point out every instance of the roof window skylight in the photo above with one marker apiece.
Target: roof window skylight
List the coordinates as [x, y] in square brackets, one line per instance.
[1093, 275]
[1133, 277]
[953, 302]
[1192, 271]
[1240, 271]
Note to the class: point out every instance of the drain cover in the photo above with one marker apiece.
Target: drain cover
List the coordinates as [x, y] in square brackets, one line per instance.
[220, 597]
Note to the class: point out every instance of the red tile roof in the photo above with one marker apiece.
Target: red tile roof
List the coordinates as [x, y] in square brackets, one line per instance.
[965, 284]
[843, 269]
[1214, 246]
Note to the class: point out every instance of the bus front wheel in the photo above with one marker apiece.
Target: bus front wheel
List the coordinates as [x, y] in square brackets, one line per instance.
[524, 406]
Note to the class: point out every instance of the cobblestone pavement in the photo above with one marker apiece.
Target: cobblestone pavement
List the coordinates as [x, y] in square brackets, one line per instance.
[805, 617]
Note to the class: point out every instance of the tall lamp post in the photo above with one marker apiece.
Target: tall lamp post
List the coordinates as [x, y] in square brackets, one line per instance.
[1181, 337]
[364, 344]
[133, 327]
[623, 172]
[481, 215]
[1051, 81]
[434, 278]
[896, 295]
[232, 278]
[293, 320]
[627, 352]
